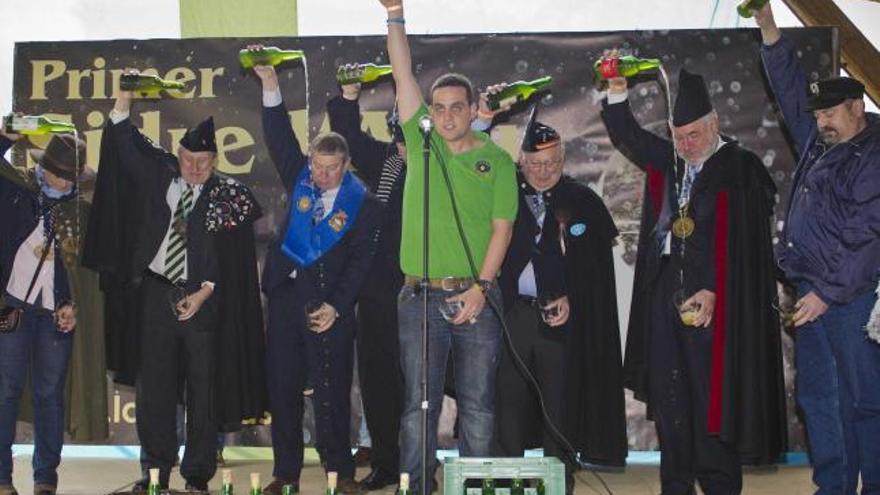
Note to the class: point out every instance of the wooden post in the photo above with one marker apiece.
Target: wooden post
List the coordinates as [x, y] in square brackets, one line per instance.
[859, 57]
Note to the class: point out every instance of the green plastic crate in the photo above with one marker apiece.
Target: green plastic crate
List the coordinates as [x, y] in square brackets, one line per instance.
[457, 470]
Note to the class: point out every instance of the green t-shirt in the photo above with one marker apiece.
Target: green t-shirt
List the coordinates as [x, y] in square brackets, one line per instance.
[484, 184]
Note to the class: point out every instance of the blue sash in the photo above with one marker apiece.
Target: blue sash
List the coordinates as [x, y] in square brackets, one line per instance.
[304, 242]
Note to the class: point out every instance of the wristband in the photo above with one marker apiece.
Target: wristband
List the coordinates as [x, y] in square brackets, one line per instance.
[395, 20]
[394, 8]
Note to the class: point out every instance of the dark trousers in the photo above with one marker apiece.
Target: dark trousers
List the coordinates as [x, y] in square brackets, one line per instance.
[838, 371]
[175, 352]
[380, 376]
[38, 349]
[517, 412]
[292, 353]
[681, 357]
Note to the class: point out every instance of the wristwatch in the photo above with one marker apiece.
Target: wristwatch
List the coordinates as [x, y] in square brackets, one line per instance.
[484, 285]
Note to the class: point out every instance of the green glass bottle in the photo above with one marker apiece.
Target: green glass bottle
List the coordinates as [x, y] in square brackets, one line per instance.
[288, 490]
[517, 487]
[35, 125]
[363, 73]
[269, 55]
[518, 91]
[540, 489]
[153, 488]
[626, 66]
[256, 488]
[226, 486]
[331, 483]
[403, 488]
[488, 487]
[145, 83]
[748, 7]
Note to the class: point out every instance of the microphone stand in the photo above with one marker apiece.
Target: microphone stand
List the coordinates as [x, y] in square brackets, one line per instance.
[425, 126]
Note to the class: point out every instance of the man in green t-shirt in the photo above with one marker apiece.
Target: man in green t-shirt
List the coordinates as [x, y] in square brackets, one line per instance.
[472, 204]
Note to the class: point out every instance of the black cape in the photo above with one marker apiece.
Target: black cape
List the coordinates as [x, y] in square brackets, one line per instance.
[595, 421]
[240, 343]
[746, 388]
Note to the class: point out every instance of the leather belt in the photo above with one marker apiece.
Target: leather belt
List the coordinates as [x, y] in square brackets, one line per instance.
[448, 284]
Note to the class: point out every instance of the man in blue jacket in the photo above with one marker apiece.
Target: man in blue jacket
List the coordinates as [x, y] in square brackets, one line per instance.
[313, 275]
[830, 247]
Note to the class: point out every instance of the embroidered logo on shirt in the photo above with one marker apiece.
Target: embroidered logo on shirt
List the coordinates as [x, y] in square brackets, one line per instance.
[578, 229]
[337, 222]
[482, 167]
[814, 88]
[304, 204]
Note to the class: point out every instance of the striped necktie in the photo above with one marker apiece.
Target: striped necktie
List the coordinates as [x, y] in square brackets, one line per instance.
[175, 252]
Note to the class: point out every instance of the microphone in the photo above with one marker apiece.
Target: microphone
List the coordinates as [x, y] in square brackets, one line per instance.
[426, 124]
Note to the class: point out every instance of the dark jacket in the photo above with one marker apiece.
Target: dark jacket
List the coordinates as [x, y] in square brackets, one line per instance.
[594, 417]
[729, 253]
[831, 236]
[368, 156]
[20, 217]
[129, 221]
[337, 276]
[546, 256]
[153, 171]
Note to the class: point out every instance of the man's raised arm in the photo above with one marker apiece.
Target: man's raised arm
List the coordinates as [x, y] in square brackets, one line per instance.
[409, 95]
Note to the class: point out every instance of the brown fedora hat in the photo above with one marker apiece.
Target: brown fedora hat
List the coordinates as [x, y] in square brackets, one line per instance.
[65, 156]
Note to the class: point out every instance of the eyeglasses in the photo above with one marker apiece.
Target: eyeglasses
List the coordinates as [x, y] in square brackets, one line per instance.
[326, 169]
[546, 164]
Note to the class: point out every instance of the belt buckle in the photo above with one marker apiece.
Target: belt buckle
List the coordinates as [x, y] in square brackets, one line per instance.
[451, 284]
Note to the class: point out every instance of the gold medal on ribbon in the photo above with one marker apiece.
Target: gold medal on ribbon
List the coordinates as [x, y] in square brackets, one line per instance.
[338, 221]
[683, 227]
[38, 251]
[70, 245]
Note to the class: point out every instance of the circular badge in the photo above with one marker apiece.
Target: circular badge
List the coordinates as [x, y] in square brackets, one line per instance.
[482, 167]
[70, 245]
[577, 229]
[304, 204]
[683, 227]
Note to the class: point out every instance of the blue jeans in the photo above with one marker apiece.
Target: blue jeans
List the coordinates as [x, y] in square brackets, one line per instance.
[838, 388]
[475, 348]
[36, 346]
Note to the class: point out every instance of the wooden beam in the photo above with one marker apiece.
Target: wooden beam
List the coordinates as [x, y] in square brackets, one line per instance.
[859, 56]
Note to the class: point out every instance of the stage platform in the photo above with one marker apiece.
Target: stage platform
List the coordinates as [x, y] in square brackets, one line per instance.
[98, 470]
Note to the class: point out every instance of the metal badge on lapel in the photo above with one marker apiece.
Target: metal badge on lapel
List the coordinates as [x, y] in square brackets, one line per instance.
[304, 204]
[482, 167]
[337, 222]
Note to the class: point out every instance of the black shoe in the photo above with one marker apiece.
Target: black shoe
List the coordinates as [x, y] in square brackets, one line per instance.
[378, 479]
[196, 486]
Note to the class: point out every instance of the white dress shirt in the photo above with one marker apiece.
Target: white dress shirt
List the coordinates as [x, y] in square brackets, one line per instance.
[25, 264]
